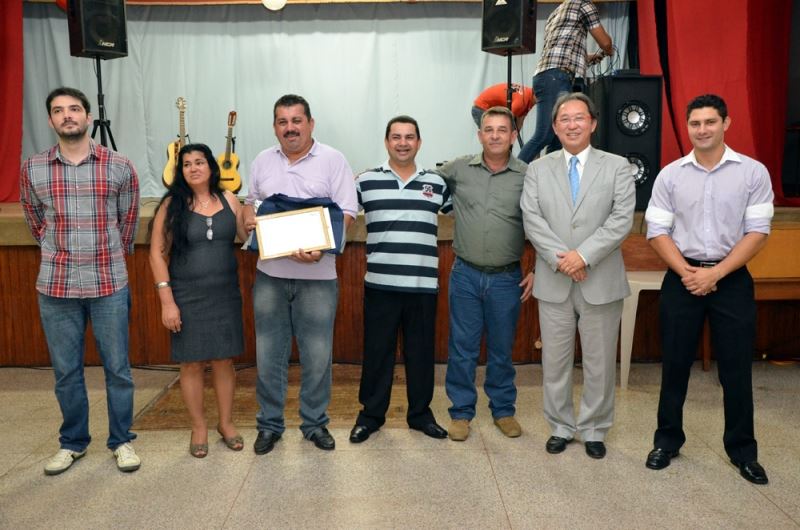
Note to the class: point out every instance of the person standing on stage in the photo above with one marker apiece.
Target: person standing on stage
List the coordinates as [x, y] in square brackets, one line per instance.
[401, 204]
[486, 282]
[709, 214]
[577, 205]
[81, 203]
[563, 59]
[296, 295]
[522, 102]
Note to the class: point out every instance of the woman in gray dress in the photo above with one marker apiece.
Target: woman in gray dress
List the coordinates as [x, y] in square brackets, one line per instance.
[192, 256]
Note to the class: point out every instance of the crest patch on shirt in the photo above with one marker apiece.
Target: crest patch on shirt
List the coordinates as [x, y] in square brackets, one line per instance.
[427, 191]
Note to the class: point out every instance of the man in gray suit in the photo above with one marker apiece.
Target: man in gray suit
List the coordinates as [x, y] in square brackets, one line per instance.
[577, 207]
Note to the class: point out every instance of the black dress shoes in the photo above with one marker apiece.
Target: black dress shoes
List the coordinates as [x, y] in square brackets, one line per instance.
[659, 458]
[556, 444]
[432, 429]
[265, 442]
[323, 439]
[360, 433]
[595, 449]
[752, 471]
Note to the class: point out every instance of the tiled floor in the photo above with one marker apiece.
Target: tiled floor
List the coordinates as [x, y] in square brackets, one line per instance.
[402, 479]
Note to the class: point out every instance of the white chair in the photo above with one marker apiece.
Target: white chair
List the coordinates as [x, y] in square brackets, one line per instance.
[639, 281]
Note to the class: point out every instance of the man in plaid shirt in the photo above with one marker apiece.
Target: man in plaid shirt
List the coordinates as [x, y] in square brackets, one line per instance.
[81, 203]
[563, 59]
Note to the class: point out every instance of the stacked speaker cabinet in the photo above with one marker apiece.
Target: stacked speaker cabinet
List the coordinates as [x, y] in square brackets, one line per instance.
[97, 28]
[509, 27]
[630, 125]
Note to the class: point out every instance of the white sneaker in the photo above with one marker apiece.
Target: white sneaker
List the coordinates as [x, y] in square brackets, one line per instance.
[62, 461]
[126, 458]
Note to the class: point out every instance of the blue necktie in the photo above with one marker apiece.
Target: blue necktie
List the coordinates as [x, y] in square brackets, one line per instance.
[574, 182]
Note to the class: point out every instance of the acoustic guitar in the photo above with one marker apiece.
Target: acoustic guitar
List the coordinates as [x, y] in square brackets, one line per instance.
[173, 148]
[229, 163]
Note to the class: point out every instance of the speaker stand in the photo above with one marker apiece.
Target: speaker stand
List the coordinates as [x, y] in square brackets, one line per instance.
[101, 122]
[509, 93]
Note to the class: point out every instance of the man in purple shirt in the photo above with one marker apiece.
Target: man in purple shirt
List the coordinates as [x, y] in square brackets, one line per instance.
[297, 295]
[708, 216]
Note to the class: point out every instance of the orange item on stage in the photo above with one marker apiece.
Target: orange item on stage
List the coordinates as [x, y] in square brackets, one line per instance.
[495, 96]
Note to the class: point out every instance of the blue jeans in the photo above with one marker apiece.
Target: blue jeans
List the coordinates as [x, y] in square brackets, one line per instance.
[64, 322]
[547, 86]
[305, 309]
[478, 302]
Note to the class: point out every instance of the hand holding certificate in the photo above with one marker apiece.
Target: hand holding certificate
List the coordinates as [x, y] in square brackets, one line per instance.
[283, 234]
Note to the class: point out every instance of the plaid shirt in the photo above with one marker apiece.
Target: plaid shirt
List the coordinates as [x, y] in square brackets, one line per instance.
[84, 217]
[565, 36]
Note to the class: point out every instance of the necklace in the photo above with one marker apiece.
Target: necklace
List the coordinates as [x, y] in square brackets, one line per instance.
[202, 205]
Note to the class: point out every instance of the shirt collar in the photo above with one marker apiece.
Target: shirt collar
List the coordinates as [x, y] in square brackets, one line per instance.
[311, 152]
[729, 155]
[55, 152]
[386, 168]
[582, 156]
[514, 164]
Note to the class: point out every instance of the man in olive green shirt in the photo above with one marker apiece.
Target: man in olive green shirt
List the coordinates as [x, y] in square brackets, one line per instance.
[486, 286]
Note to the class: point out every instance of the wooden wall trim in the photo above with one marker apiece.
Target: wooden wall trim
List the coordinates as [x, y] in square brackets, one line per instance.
[22, 342]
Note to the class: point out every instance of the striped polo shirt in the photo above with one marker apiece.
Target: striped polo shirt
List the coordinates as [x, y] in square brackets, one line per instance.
[402, 222]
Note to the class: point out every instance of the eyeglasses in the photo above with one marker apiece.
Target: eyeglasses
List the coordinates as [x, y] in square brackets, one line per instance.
[580, 119]
[210, 231]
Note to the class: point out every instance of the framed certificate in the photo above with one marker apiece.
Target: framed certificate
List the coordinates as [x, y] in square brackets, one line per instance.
[282, 234]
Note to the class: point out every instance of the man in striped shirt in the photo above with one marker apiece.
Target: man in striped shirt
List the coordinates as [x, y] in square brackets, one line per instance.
[81, 203]
[401, 204]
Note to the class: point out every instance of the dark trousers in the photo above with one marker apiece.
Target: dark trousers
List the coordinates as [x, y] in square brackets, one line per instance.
[384, 313]
[731, 311]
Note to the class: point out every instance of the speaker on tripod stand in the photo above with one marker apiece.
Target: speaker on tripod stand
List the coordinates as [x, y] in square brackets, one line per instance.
[97, 28]
[509, 27]
[629, 125]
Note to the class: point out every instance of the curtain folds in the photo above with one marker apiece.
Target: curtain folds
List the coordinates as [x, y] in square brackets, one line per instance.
[11, 59]
[738, 49]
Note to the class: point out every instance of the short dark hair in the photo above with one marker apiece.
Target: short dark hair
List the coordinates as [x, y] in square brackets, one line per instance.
[708, 100]
[498, 111]
[290, 100]
[575, 96]
[67, 91]
[402, 119]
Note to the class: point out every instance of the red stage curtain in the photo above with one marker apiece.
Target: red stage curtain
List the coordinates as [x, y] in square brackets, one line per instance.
[11, 90]
[738, 49]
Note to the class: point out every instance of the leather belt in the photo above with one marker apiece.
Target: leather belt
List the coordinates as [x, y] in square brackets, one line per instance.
[698, 263]
[514, 265]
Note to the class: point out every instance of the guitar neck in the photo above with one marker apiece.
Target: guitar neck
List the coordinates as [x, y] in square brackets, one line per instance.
[182, 135]
[229, 144]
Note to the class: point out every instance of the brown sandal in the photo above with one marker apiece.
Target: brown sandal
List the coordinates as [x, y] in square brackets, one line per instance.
[198, 450]
[234, 443]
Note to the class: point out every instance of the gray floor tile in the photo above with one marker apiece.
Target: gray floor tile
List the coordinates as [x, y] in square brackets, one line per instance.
[169, 491]
[401, 478]
[698, 490]
[408, 489]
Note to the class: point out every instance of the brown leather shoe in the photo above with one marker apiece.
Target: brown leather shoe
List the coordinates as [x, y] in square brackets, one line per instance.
[459, 430]
[508, 426]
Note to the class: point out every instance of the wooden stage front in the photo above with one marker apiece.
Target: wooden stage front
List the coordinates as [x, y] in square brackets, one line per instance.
[22, 343]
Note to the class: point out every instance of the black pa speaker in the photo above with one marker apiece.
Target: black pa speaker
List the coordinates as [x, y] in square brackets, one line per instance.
[630, 125]
[97, 28]
[509, 27]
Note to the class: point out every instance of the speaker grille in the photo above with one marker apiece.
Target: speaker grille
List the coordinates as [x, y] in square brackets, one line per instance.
[97, 28]
[509, 26]
[630, 125]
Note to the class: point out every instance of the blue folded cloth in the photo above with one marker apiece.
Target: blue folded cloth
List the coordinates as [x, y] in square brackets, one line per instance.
[283, 203]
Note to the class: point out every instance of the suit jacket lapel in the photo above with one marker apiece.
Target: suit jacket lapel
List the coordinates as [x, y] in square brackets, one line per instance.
[559, 169]
[590, 172]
